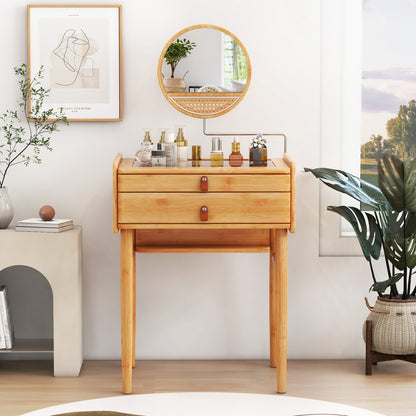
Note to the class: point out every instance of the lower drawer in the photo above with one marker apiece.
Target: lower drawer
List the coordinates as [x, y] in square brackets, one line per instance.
[185, 208]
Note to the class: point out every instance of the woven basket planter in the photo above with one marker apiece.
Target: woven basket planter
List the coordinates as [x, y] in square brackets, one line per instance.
[394, 326]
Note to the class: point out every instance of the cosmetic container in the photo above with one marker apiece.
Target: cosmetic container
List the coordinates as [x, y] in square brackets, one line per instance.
[258, 151]
[216, 155]
[196, 155]
[236, 158]
[158, 157]
[144, 154]
[170, 149]
[182, 146]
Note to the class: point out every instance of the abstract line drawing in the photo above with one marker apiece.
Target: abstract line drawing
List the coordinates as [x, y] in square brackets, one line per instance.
[73, 52]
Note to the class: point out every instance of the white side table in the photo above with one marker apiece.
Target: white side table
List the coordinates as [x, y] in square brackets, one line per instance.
[57, 256]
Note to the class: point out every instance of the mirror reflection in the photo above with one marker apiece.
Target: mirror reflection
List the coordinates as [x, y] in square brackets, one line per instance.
[204, 60]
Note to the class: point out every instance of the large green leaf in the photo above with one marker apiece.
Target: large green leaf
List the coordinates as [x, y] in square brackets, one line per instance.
[399, 235]
[410, 183]
[365, 227]
[397, 181]
[357, 188]
[382, 286]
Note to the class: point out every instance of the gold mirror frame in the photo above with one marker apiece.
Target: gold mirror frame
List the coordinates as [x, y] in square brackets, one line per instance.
[203, 104]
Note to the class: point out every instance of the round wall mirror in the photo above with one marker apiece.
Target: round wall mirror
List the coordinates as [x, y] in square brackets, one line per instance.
[204, 71]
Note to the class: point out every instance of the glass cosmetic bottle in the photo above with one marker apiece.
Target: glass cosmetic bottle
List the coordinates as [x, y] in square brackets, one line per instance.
[144, 154]
[258, 151]
[182, 146]
[216, 156]
[236, 158]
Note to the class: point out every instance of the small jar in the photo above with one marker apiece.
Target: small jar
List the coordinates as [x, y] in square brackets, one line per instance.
[158, 157]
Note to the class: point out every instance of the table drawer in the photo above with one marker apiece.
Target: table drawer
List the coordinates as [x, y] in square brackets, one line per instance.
[192, 183]
[185, 208]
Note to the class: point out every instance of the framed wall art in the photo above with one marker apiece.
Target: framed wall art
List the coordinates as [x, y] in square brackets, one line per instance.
[79, 48]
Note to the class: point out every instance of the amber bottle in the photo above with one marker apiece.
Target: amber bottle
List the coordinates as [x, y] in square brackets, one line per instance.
[236, 158]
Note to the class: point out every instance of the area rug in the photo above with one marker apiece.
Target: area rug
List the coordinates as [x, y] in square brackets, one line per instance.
[202, 404]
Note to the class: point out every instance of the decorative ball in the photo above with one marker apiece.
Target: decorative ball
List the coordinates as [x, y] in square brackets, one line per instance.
[47, 213]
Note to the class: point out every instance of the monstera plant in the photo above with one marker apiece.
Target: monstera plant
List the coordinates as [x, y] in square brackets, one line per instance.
[385, 221]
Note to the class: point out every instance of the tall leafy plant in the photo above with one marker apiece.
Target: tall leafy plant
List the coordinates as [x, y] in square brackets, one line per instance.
[391, 225]
[26, 131]
[176, 51]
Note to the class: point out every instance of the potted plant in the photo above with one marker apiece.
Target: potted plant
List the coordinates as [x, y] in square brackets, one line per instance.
[385, 222]
[176, 51]
[24, 133]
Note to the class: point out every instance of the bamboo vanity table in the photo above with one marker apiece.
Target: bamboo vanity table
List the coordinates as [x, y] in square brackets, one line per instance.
[205, 209]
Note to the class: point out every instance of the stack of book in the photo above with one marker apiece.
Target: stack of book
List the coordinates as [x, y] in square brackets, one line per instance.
[41, 226]
[6, 328]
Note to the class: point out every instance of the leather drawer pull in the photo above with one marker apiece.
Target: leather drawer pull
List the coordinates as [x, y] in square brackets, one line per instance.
[204, 184]
[204, 213]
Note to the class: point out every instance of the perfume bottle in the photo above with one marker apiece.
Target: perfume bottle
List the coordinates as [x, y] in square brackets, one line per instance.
[144, 154]
[196, 155]
[170, 149]
[159, 156]
[258, 151]
[182, 146]
[216, 153]
[236, 158]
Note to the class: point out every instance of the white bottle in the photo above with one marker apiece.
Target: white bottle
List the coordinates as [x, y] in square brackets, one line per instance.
[182, 146]
[170, 149]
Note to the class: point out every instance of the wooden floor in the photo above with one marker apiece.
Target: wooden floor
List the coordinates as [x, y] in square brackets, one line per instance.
[391, 390]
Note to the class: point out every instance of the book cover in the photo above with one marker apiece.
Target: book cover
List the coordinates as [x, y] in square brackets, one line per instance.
[6, 319]
[2, 339]
[44, 229]
[38, 222]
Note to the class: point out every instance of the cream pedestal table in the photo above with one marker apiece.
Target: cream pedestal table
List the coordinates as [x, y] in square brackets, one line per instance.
[57, 256]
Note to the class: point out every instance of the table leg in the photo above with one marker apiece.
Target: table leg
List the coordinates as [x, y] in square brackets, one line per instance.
[128, 275]
[273, 299]
[281, 277]
[133, 348]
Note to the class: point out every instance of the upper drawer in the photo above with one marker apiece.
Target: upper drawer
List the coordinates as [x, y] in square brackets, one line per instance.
[185, 208]
[216, 183]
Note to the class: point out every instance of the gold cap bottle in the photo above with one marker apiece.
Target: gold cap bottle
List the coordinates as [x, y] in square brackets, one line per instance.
[180, 138]
[147, 137]
[162, 140]
[182, 146]
[235, 146]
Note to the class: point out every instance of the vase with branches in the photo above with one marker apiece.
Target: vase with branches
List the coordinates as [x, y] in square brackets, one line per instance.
[25, 131]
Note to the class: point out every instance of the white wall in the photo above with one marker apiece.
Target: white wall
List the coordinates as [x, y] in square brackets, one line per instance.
[201, 305]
